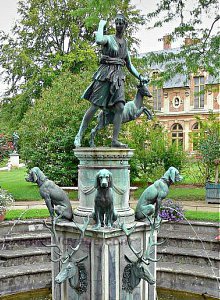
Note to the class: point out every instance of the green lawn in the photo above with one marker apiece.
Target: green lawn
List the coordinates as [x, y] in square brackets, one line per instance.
[202, 216]
[181, 193]
[26, 214]
[43, 213]
[14, 181]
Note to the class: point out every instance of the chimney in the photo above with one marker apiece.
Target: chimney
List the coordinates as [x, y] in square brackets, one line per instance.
[167, 42]
[189, 41]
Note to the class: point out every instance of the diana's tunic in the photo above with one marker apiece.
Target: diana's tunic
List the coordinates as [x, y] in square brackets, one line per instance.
[107, 87]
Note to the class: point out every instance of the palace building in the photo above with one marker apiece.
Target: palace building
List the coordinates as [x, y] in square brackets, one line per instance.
[182, 99]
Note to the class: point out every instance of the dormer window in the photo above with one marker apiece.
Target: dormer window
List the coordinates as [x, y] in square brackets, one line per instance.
[199, 84]
[157, 93]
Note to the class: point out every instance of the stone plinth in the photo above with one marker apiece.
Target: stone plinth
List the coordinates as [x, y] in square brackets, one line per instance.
[14, 159]
[105, 263]
[117, 162]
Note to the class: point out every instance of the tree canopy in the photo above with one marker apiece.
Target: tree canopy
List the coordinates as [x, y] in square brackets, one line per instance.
[50, 37]
[196, 20]
[154, 153]
[48, 129]
[208, 139]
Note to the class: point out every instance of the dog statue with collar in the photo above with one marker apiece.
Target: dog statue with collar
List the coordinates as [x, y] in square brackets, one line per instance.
[150, 200]
[55, 198]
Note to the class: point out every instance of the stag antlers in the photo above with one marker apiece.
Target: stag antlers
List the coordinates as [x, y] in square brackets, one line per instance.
[145, 257]
[138, 269]
[64, 256]
[71, 269]
[82, 229]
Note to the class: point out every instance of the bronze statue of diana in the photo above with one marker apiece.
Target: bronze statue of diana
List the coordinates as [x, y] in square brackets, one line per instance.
[107, 89]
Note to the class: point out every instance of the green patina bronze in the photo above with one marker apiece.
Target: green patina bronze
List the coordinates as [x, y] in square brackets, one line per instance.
[107, 89]
[150, 201]
[138, 269]
[132, 110]
[15, 139]
[55, 198]
[104, 210]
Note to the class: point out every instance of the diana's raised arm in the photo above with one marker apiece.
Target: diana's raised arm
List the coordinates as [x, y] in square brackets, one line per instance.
[100, 38]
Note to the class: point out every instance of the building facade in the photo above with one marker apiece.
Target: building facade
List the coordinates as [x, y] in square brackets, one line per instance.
[182, 99]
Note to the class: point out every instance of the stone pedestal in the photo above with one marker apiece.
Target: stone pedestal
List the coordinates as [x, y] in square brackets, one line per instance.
[117, 162]
[102, 271]
[14, 159]
[105, 263]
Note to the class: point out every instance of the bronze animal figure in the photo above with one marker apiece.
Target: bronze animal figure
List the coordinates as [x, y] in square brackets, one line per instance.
[150, 201]
[71, 268]
[104, 212]
[107, 89]
[55, 198]
[138, 269]
[132, 110]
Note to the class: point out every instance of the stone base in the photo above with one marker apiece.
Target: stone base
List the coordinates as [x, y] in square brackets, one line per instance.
[105, 263]
[14, 159]
[124, 215]
[92, 160]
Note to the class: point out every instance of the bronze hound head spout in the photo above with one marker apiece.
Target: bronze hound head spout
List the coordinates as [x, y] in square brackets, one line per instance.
[36, 176]
[173, 175]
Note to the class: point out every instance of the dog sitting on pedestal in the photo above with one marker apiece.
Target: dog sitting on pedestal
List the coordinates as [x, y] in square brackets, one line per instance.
[150, 201]
[55, 198]
[104, 211]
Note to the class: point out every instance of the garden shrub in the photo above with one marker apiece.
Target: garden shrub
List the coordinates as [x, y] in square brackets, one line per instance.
[47, 132]
[208, 147]
[153, 153]
[5, 146]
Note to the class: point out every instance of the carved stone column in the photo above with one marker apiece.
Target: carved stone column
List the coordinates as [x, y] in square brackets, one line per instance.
[105, 267]
[117, 162]
[98, 268]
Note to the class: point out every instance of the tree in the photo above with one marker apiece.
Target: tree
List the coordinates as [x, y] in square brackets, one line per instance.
[153, 151]
[5, 146]
[202, 54]
[52, 36]
[209, 146]
[48, 129]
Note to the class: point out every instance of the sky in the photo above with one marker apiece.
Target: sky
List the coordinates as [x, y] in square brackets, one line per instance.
[148, 38]
[8, 14]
